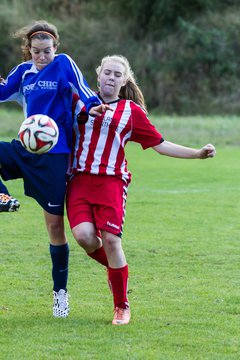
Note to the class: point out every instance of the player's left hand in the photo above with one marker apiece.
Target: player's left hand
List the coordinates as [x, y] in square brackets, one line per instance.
[100, 109]
[207, 151]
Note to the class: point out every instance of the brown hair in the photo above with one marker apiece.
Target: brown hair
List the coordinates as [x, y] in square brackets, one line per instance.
[130, 91]
[39, 29]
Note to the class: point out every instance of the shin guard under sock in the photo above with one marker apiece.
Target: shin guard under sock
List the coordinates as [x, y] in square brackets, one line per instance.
[100, 256]
[119, 283]
[59, 255]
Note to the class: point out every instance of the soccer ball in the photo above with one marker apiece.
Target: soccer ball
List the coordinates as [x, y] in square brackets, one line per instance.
[38, 134]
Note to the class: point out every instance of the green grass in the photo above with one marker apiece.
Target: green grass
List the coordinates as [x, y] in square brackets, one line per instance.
[194, 130]
[181, 239]
[10, 120]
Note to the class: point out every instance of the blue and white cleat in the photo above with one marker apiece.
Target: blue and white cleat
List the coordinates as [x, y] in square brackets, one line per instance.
[61, 307]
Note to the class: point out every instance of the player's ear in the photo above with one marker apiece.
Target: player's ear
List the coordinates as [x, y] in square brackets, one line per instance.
[98, 83]
[124, 82]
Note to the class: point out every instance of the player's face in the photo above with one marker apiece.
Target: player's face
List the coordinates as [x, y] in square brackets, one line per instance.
[111, 79]
[43, 52]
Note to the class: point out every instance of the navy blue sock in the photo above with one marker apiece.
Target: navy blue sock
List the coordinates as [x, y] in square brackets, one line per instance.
[59, 255]
[3, 189]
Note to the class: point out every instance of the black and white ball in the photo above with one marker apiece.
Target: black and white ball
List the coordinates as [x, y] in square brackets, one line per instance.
[38, 134]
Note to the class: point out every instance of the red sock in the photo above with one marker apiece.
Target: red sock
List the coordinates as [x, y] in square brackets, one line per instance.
[100, 256]
[119, 283]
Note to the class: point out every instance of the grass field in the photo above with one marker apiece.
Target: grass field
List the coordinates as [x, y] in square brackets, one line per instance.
[181, 239]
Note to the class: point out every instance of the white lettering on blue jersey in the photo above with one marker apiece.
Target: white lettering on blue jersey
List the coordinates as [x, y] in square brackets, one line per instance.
[49, 92]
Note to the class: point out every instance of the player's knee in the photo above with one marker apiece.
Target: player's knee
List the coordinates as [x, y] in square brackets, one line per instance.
[85, 239]
[111, 242]
[55, 229]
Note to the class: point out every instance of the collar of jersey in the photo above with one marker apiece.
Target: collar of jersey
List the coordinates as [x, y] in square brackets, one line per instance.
[111, 102]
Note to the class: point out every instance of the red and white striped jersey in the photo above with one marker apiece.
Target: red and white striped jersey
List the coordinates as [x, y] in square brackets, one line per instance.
[99, 142]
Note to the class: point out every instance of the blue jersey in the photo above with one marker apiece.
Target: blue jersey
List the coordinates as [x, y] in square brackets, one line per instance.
[49, 92]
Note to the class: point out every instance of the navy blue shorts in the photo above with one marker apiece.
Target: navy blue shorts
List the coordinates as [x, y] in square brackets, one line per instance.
[44, 175]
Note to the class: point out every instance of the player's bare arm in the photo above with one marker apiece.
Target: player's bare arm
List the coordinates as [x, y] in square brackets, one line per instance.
[178, 151]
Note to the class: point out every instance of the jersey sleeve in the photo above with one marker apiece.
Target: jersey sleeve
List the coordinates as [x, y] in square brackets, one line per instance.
[79, 85]
[143, 131]
[79, 110]
[10, 90]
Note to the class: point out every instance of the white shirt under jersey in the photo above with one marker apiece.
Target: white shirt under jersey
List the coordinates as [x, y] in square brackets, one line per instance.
[99, 142]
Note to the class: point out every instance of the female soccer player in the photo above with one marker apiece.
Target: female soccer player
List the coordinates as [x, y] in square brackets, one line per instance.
[44, 84]
[97, 189]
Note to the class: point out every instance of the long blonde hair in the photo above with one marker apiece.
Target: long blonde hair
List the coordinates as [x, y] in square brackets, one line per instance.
[130, 91]
[39, 29]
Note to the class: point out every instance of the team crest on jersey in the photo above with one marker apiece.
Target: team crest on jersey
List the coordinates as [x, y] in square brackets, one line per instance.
[82, 118]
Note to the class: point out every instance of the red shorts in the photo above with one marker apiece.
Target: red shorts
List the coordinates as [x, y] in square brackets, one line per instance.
[99, 199]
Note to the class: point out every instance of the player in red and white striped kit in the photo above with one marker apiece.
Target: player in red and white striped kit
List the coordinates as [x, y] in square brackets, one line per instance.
[98, 174]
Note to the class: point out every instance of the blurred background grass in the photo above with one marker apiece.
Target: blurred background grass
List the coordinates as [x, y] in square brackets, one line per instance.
[186, 130]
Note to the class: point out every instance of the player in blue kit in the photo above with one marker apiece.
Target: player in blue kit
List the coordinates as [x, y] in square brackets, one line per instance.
[44, 84]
